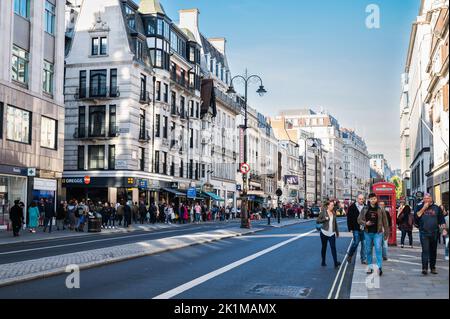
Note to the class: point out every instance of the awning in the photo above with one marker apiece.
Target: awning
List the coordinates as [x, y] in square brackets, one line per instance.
[175, 192]
[214, 196]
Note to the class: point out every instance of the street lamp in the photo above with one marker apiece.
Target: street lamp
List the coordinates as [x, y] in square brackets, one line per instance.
[261, 91]
[334, 175]
[314, 145]
[352, 177]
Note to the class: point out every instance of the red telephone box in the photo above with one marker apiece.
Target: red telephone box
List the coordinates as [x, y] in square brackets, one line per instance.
[386, 193]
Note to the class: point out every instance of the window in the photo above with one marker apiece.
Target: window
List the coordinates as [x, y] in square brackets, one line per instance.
[166, 93]
[181, 168]
[98, 83]
[18, 125]
[99, 46]
[1, 120]
[203, 170]
[114, 92]
[165, 163]
[157, 161]
[113, 130]
[191, 169]
[182, 105]
[82, 121]
[158, 125]
[141, 158]
[191, 108]
[174, 102]
[82, 85]
[408, 152]
[48, 132]
[48, 78]
[158, 90]
[20, 64]
[142, 125]
[111, 157]
[182, 77]
[22, 8]
[139, 50]
[143, 95]
[97, 121]
[96, 155]
[165, 126]
[130, 16]
[197, 109]
[49, 17]
[191, 138]
[80, 162]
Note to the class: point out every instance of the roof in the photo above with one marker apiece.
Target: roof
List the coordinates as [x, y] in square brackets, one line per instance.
[189, 34]
[210, 49]
[151, 7]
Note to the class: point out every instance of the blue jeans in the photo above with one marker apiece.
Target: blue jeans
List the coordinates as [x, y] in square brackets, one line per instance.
[377, 241]
[385, 248]
[358, 236]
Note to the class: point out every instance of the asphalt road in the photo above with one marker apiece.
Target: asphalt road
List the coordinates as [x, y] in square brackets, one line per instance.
[274, 263]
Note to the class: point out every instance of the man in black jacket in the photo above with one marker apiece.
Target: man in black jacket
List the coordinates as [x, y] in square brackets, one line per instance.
[49, 213]
[16, 216]
[353, 226]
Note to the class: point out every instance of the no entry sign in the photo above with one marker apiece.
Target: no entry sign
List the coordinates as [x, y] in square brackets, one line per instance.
[245, 168]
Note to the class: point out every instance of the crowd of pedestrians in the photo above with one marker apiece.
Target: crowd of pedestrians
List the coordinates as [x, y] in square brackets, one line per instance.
[73, 215]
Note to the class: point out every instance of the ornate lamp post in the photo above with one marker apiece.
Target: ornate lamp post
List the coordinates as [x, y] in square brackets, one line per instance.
[261, 91]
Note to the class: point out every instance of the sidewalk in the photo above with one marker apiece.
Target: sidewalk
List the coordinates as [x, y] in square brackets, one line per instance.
[49, 266]
[402, 276]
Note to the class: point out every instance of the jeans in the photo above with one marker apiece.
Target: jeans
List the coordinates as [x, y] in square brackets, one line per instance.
[112, 221]
[48, 221]
[429, 249]
[377, 241]
[325, 240]
[446, 246]
[358, 236]
[404, 233]
[384, 250]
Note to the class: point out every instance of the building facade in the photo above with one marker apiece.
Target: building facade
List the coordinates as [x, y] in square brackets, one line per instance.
[31, 102]
[356, 164]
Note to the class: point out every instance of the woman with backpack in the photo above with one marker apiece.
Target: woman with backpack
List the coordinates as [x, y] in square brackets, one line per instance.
[405, 220]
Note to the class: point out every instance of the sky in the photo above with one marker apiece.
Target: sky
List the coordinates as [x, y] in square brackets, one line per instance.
[318, 55]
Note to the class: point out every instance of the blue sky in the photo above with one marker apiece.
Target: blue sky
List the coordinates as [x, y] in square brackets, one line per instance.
[318, 54]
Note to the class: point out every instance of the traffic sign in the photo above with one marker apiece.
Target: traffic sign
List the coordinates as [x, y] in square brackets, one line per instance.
[245, 168]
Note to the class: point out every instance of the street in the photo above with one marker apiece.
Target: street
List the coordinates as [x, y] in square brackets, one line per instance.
[189, 273]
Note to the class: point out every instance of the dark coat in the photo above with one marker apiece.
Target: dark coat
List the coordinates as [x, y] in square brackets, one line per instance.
[61, 212]
[16, 214]
[352, 218]
[49, 210]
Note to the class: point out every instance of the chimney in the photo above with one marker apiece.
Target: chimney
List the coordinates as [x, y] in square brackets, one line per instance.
[219, 44]
[189, 19]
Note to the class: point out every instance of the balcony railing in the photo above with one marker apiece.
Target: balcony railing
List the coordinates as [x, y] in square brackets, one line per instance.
[227, 100]
[144, 135]
[97, 92]
[80, 132]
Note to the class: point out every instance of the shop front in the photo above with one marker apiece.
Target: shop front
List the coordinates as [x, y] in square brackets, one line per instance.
[13, 186]
[102, 189]
[438, 185]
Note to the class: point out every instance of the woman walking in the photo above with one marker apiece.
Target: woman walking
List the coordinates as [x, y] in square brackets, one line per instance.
[329, 231]
[33, 217]
[61, 214]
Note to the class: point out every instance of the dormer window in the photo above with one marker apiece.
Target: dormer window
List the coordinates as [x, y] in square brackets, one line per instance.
[139, 50]
[211, 65]
[99, 46]
[131, 20]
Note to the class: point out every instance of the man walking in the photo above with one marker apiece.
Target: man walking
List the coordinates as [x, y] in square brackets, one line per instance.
[16, 216]
[358, 232]
[127, 214]
[376, 227]
[430, 219]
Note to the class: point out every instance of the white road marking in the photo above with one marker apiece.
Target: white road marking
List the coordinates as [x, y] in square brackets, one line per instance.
[193, 283]
[92, 241]
[342, 279]
[340, 268]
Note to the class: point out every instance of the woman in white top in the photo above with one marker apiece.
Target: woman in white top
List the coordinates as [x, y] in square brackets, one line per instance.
[329, 231]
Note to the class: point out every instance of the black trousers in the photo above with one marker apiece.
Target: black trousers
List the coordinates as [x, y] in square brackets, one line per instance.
[429, 244]
[332, 241]
[16, 228]
[404, 233]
